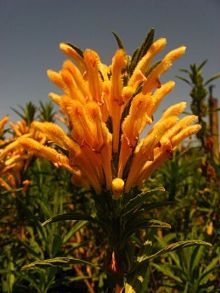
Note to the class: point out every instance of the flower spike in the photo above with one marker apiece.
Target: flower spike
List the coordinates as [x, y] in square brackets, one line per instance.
[107, 109]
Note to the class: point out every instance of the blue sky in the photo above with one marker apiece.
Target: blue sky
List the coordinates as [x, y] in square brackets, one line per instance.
[31, 30]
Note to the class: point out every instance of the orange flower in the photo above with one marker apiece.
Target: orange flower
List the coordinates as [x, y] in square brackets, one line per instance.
[13, 156]
[108, 108]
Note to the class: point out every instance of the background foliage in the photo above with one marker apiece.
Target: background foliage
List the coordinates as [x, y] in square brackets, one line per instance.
[190, 203]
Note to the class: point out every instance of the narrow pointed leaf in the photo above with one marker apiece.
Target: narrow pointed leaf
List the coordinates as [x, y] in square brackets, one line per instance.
[158, 224]
[139, 200]
[146, 44]
[142, 223]
[78, 50]
[172, 247]
[211, 267]
[184, 79]
[214, 77]
[184, 70]
[18, 113]
[202, 64]
[56, 262]
[165, 269]
[204, 278]
[196, 257]
[68, 217]
[74, 229]
[155, 205]
[140, 52]
[118, 40]
[152, 68]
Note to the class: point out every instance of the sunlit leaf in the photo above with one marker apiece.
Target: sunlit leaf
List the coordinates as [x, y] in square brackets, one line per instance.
[172, 247]
[56, 262]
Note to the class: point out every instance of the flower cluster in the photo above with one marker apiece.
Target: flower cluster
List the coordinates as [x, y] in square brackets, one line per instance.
[13, 156]
[106, 109]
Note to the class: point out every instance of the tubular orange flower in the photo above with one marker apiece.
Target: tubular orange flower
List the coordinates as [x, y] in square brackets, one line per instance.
[12, 158]
[107, 109]
[3, 121]
[144, 63]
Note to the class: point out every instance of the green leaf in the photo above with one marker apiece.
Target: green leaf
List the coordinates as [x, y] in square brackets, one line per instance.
[172, 247]
[31, 217]
[68, 217]
[158, 224]
[118, 40]
[73, 230]
[139, 200]
[186, 288]
[211, 267]
[195, 258]
[184, 70]
[36, 253]
[142, 50]
[78, 50]
[155, 205]
[184, 79]
[142, 222]
[148, 72]
[56, 262]
[146, 44]
[27, 112]
[55, 244]
[214, 77]
[44, 207]
[134, 56]
[202, 64]
[166, 270]
[18, 113]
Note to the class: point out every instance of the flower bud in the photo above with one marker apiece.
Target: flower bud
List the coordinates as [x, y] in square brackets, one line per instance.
[117, 187]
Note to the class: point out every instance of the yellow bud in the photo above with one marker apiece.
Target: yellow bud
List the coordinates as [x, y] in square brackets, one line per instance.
[117, 187]
[209, 229]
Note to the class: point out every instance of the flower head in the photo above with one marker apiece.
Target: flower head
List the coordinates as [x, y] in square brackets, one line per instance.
[106, 109]
[14, 158]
